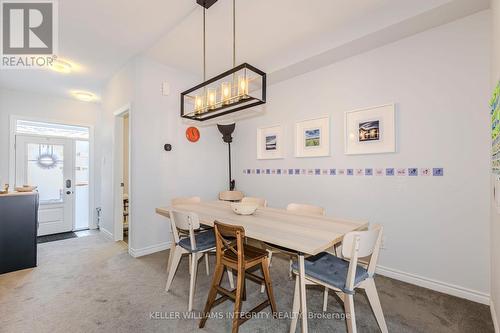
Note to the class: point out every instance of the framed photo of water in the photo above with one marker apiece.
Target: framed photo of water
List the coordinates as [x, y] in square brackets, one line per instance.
[270, 142]
[312, 137]
[370, 130]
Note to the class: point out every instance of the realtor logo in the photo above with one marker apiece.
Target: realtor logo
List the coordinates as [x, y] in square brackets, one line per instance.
[29, 33]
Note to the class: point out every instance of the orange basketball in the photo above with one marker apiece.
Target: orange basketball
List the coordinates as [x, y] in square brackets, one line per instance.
[192, 134]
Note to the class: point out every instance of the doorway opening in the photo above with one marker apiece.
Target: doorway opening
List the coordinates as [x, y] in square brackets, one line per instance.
[122, 198]
[56, 158]
[125, 176]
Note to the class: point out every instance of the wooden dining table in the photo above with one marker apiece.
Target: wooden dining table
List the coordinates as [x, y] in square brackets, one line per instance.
[305, 234]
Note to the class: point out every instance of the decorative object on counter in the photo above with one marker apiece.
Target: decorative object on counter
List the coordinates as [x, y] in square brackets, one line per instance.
[239, 88]
[4, 189]
[370, 130]
[227, 131]
[242, 208]
[192, 134]
[25, 188]
[270, 142]
[167, 147]
[312, 137]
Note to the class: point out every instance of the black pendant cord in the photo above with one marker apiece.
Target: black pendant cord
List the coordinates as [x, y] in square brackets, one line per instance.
[234, 33]
[204, 47]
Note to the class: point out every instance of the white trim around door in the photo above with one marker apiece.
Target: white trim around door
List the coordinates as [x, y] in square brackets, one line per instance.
[12, 156]
[117, 174]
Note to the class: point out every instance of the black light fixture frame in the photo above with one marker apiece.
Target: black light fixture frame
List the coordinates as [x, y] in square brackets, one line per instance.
[230, 108]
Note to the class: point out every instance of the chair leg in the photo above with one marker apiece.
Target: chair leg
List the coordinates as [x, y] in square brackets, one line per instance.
[270, 256]
[230, 277]
[173, 266]
[269, 285]
[171, 255]
[237, 303]
[349, 313]
[190, 263]
[219, 271]
[373, 299]
[206, 263]
[192, 282]
[244, 291]
[303, 296]
[325, 299]
[295, 306]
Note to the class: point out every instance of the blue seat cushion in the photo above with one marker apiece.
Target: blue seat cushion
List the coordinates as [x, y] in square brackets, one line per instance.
[204, 240]
[332, 270]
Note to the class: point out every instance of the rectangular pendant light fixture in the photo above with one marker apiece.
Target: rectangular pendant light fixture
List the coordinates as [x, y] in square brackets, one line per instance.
[237, 89]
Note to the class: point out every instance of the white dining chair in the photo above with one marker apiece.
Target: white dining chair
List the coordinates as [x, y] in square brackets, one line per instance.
[195, 245]
[185, 233]
[346, 275]
[231, 195]
[260, 202]
[272, 249]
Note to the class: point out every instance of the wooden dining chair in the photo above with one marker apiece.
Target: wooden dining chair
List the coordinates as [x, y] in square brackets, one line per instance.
[196, 245]
[344, 276]
[233, 253]
[272, 249]
[231, 196]
[260, 202]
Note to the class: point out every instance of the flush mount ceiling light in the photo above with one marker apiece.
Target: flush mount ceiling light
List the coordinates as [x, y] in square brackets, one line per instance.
[84, 96]
[239, 88]
[61, 66]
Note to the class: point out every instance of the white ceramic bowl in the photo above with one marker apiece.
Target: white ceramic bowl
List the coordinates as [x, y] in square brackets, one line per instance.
[243, 208]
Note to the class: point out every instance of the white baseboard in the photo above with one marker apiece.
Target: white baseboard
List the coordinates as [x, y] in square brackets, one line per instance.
[435, 285]
[149, 249]
[494, 316]
[107, 233]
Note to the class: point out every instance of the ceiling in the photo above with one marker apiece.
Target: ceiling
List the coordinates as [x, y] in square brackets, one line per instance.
[99, 36]
[102, 35]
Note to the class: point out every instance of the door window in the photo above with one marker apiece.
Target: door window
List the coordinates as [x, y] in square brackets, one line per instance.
[45, 166]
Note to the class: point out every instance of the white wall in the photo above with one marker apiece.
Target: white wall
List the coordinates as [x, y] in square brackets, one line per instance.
[49, 108]
[118, 92]
[157, 175]
[436, 228]
[495, 220]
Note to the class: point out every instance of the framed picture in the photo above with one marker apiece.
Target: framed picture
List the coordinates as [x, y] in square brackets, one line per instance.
[370, 131]
[270, 142]
[312, 137]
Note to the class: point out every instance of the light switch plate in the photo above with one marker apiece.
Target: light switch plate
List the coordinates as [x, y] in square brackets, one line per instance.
[165, 89]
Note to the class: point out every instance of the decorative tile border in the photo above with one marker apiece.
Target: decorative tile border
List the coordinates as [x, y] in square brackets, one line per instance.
[367, 172]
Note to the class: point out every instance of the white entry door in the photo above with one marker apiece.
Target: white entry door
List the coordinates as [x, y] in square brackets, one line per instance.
[48, 163]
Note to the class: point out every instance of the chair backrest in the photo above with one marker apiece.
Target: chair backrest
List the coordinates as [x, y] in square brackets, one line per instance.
[305, 209]
[258, 201]
[185, 200]
[360, 244]
[229, 238]
[231, 195]
[184, 221]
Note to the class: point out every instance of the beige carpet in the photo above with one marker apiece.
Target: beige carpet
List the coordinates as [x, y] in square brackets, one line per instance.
[90, 284]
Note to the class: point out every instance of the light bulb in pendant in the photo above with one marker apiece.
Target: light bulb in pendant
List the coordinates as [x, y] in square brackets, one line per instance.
[226, 92]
